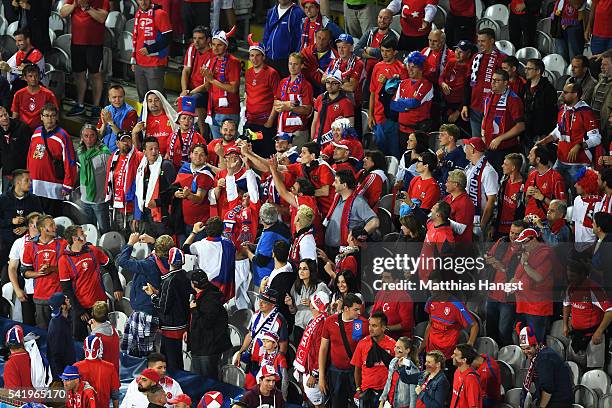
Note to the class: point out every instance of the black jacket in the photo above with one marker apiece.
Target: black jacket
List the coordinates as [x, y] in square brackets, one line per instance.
[14, 145]
[60, 345]
[11, 207]
[540, 109]
[37, 21]
[208, 333]
[172, 302]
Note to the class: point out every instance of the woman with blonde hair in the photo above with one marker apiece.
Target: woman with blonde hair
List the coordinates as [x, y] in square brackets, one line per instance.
[432, 387]
[398, 393]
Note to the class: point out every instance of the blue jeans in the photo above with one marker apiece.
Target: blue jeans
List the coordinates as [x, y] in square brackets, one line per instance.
[600, 44]
[538, 323]
[476, 122]
[218, 121]
[500, 321]
[568, 173]
[572, 43]
[98, 214]
[387, 136]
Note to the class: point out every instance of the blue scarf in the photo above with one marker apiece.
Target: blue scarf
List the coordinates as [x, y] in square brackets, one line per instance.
[118, 115]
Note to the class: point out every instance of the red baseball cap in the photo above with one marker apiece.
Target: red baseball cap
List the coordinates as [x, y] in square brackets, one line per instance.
[343, 144]
[184, 398]
[150, 374]
[526, 235]
[477, 143]
[232, 149]
[305, 2]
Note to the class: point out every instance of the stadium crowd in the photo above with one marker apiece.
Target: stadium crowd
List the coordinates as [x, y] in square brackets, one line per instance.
[275, 185]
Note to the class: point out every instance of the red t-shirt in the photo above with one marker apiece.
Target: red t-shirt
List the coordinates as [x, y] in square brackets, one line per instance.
[85, 29]
[387, 70]
[433, 62]
[517, 84]
[462, 211]
[550, 184]
[375, 377]
[371, 62]
[462, 8]
[196, 60]
[342, 107]
[17, 371]
[355, 331]
[446, 320]
[160, 127]
[260, 89]
[500, 119]
[601, 25]
[35, 255]
[193, 212]
[536, 298]
[397, 305]
[111, 348]
[510, 200]
[101, 375]
[490, 378]
[84, 274]
[28, 106]
[574, 126]
[588, 303]
[427, 191]
[466, 389]
[152, 23]
[299, 91]
[220, 101]
[177, 158]
[321, 175]
[34, 57]
[455, 75]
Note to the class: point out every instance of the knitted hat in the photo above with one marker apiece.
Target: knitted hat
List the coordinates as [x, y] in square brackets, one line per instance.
[320, 300]
[267, 371]
[587, 179]
[93, 347]
[14, 336]
[526, 335]
[176, 257]
[270, 336]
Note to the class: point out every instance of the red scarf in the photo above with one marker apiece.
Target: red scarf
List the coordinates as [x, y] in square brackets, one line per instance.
[303, 349]
[346, 212]
[185, 144]
[591, 201]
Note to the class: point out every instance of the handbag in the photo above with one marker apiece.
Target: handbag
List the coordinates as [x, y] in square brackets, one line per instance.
[58, 165]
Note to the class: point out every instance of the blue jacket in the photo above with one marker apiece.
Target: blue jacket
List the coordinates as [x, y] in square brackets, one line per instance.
[329, 24]
[436, 392]
[145, 271]
[284, 38]
[263, 264]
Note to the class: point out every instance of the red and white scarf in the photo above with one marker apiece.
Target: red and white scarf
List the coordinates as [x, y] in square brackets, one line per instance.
[499, 113]
[125, 175]
[306, 341]
[306, 30]
[346, 212]
[185, 144]
[591, 200]
[489, 70]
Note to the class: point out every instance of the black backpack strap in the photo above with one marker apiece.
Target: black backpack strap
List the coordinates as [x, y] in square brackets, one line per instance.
[345, 341]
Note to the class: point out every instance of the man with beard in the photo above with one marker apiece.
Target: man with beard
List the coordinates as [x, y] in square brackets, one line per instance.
[216, 148]
[543, 184]
[317, 58]
[466, 382]
[25, 55]
[154, 374]
[261, 82]
[330, 105]
[159, 120]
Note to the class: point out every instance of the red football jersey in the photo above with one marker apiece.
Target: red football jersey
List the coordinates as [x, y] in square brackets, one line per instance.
[299, 91]
[260, 88]
[28, 106]
[462, 211]
[321, 175]
[589, 303]
[550, 184]
[160, 127]
[420, 89]
[412, 17]
[427, 191]
[372, 377]
[388, 71]
[355, 331]
[500, 117]
[490, 378]
[536, 298]
[193, 212]
[371, 62]
[466, 389]
[102, 376]
[196, 60]
[180, 146]
[35, 255]
[83, 271]
[342, 107]
[220, 101]
[455, 75]
[510, 201]
[433, 63]
[446, 320]
[85, 29]
[397, 305]
[149, 24]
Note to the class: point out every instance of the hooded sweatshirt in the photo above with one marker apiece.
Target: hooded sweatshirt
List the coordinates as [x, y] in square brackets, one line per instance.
[110, 342]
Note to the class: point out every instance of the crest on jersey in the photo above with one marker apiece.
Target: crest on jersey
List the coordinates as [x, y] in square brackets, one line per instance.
[447, 310]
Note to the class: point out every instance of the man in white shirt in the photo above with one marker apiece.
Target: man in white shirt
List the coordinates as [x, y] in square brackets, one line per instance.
[482, 185]
[587, 199]
[155, 373]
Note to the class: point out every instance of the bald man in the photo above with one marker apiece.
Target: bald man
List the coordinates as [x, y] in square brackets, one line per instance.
[438, 55]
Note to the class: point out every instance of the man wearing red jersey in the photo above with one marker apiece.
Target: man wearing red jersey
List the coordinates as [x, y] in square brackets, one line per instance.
[415, 18]
[413, 99]
[371, 373]
[466, 382]
[329, 106]
[314, 21]
[29, 101]
[179, 145]
[217, 147]
[438, 240]
[261, 84]
[452, 83]
[380, 119]
[98, 373]
[483, 65]
[317, 57]
[598, 29]
[515, 82]
[197, 56]
[79, 268]
[437, 56]
[490, 379]
[25, 55]
[587, 311]
[351, 68]
[40, 262]
[342, 157]
[535, 275]
[151, 43]
[79, 393]
[120, 181]
[51, 162]
[577, 131]
[159, 120]
[510, 199]
[543, 184]
[294, 101]
[447, 317]
[503, 121]
[17, 368]
[341, 380]
[424, 187]
[222, 77]
[195, 179]
[396, 305]
[462, 208]
[86, 49]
